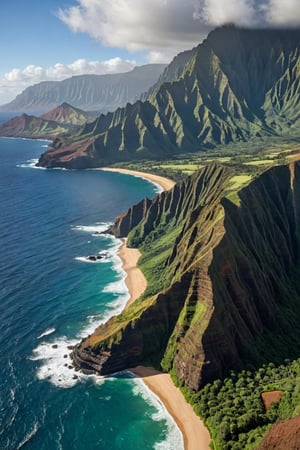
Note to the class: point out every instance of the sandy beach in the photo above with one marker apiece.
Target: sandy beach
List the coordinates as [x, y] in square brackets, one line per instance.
[135, 281]
[195, 434]
[164, 183]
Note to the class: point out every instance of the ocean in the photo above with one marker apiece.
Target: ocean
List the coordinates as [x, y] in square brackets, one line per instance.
[51, 297]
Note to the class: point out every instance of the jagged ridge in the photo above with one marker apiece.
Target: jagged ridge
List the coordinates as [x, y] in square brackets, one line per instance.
[222, 280]
[237, 85]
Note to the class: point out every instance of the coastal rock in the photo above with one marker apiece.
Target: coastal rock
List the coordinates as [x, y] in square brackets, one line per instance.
[94, 258]
[223, 285]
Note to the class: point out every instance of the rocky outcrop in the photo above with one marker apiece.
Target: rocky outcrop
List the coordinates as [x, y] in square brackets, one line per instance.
[124, 223]
[230, 90]
[101, 93]
[137, 339]
[223, 278]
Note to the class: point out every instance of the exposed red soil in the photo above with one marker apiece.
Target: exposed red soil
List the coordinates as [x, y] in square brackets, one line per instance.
[271, 397]
[284, 435]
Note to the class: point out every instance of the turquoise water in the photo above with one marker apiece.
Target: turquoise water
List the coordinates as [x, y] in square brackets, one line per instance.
[51, 297]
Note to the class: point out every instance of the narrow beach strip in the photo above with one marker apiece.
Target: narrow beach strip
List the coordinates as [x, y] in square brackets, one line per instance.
[195, 435]
[165, 183]
[135, 281]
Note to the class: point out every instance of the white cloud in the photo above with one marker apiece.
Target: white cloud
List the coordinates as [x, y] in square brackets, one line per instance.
[283, 12]
[218, 12]
[160, 27]
[163, 27]
[18, 79]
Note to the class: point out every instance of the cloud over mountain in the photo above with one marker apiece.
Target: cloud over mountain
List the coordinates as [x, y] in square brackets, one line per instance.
[165, 27]
[17, 79]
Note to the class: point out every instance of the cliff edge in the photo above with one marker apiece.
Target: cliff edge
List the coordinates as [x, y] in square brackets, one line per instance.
[220, 265]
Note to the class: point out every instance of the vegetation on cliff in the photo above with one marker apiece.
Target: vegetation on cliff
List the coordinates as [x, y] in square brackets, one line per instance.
[221, 279]
[242, 420]
[239, 84]
[221, 255]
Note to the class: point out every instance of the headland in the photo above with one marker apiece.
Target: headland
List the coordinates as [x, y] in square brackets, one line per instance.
[195, 435]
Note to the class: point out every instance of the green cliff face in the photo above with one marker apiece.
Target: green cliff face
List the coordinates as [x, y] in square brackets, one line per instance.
[237, 85]
[220, 279]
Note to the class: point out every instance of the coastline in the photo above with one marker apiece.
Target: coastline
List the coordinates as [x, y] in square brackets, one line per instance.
[195, 435]
[135, 281]
[165, 183]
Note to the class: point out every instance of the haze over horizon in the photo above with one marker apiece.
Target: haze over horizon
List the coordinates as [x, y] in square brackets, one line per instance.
[57, 39]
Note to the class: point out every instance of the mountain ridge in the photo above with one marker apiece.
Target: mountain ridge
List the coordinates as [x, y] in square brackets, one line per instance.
[100, 93]
[232, 89]
[62, 120]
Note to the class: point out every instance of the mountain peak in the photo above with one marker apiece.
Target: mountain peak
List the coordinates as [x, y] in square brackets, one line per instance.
[237, 85]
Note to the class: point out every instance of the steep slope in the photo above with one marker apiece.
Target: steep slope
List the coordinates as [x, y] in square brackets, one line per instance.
[99, 93]
[171, 73]
[61, 120]
[283, 435]
[32, 127]
[237, 85]
[68, 115]
[221, 280]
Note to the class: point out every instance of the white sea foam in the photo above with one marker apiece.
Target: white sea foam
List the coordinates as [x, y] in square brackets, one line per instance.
[174, 439]
[29, 435]
[58, 366]
[96, 229]
[116, 287]
[46, 332]
[31, 164]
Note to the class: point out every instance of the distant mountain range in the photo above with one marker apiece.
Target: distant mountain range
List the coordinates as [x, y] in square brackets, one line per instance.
[101, 93]
[237, 85]
[64, 119]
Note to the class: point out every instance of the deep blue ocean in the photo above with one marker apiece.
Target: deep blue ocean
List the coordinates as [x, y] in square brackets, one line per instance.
[51, 297]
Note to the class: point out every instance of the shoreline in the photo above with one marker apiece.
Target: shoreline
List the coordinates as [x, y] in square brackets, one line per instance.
[195, 434]
[164, 183]
[135, 281]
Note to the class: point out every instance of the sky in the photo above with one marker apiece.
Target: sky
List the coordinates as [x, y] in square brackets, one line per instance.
[55, 39]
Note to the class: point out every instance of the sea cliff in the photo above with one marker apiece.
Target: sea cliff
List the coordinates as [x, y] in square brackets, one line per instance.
[220, 266]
